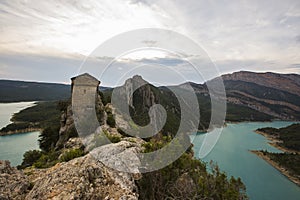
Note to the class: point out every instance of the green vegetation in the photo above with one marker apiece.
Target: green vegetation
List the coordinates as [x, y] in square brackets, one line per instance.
[110, 120]
[166, 98]
[16, 91]
[289, 161]
[16, 127]
[261, 91]
[290, 136]
[39, 116]
[101, 139]
[46, 116]
[238, 113]
[29, 158]
[48, 138]
[48, 159]
[71, 154]
[39, 159]
[42, 159]
[187, 178]
[105, 96]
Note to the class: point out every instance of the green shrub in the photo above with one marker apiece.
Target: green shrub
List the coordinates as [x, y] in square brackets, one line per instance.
[48, 159]
[48, 138]
[114, 138]
[63, 104]
[187, 178]
[29, 158]
[71, 154]
[110, 120]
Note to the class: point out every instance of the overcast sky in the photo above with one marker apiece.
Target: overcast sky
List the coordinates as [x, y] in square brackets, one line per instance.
[48, 40]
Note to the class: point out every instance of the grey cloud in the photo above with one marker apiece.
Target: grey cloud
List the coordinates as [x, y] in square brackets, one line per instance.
[250, 35]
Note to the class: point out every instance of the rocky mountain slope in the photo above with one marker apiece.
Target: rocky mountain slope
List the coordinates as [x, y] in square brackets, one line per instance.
[277, 95]
[250, 97]
[261, 96]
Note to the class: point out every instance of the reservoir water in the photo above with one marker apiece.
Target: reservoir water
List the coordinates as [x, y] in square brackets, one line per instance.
[12, 147]
[231, 153]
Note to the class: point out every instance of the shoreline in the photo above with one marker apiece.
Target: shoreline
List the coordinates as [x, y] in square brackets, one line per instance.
[26, 130]
[266, 121]
[274, 142]
[282, 170]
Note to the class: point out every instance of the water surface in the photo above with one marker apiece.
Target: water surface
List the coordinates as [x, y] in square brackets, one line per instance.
[263, 182]
[12, 147]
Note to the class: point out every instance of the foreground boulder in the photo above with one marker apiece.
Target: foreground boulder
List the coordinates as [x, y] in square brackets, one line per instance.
[83, 178]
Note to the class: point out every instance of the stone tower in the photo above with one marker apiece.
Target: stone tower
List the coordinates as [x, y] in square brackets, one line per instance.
[85, 82]
[84, 95]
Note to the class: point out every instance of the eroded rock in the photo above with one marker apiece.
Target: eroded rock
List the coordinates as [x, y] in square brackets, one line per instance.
[83, 178]
[13, 183]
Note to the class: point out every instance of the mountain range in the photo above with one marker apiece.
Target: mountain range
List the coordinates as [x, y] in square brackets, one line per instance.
[250, 96]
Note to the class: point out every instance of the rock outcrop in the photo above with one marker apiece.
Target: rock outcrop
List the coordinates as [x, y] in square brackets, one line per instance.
[122, 156]
[13, 183]
[83, 178]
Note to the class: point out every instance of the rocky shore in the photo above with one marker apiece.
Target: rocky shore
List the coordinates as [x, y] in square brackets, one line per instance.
[283, 170]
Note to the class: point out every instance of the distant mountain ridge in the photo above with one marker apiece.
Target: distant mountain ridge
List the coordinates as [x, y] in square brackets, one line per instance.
[285, 82]
[251, 96]
[277, 95]
[17, 91]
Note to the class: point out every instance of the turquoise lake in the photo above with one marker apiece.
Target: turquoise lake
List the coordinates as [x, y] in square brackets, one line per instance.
[12, 147]
[231, 153]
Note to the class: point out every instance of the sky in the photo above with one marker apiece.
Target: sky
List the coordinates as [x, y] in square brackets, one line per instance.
[49, 41]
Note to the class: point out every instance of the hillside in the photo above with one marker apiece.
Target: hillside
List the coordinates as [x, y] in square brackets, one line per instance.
[277, 96]
[288, 140]
[288, 137]
[16, 91]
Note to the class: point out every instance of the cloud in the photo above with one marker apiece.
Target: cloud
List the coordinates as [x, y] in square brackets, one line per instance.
[43, 40]
[38, 68]
[68, 26]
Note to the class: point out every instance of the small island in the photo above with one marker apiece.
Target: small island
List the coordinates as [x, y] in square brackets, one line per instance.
[287, 139]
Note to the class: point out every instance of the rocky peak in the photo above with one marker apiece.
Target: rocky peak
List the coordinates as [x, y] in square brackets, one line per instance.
[284, 82]
[141, 90]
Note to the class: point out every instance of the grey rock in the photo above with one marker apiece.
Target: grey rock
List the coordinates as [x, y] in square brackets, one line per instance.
[83, 178]
[13, 183]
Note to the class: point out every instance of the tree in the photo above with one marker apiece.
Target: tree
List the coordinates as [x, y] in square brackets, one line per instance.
[48, 138]
[29, 158]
